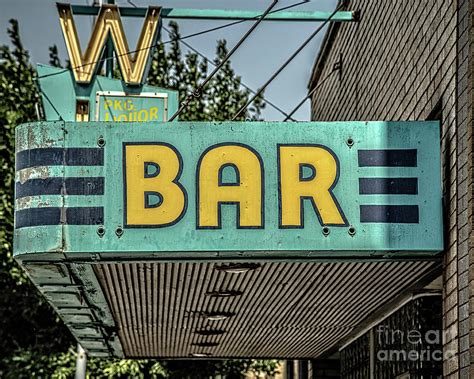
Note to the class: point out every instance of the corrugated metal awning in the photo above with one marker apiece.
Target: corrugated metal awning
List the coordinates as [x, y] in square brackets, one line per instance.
[279, 310]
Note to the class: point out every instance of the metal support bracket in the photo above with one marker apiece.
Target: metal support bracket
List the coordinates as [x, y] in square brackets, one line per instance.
[224, 14]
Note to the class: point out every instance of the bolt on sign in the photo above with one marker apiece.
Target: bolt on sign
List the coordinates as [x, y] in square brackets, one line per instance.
[230, 189]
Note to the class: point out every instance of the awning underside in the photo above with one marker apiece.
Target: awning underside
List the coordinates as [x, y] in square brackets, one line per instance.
[280, 310]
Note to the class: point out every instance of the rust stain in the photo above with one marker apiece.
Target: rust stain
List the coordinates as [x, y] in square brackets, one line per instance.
[31, 138]
[84, 171]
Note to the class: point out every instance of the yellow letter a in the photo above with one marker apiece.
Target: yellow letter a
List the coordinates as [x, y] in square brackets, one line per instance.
[245, 191]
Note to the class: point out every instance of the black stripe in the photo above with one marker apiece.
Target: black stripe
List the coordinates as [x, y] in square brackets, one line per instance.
[37, 216]
[388, 186]
[403, 214]
[57, 156]
[57, 186]
[387, 158]
[85, 216]
[52, 216]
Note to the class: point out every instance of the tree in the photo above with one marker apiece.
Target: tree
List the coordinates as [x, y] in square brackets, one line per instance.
[25, 318]
[27, 323]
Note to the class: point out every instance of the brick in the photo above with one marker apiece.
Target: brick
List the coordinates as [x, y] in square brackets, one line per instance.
[463, 264]
[464, 311]
[451, 333]
[451, 365]
[463, 296]
[451, 284]
[464, 327]
[451, 300]
[451, 317]
[451, 268]
[464, 371]
[464, 343]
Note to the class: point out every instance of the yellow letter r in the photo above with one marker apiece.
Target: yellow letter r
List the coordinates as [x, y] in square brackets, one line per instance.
[294, 187]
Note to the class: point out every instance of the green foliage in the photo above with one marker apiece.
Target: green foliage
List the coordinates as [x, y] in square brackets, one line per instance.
[18, 97]
[230, 369]
[34, 343]
[30, 364]
[25, 318]
[54, 56]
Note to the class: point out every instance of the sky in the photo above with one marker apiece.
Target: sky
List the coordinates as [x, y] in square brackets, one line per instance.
[255, 61]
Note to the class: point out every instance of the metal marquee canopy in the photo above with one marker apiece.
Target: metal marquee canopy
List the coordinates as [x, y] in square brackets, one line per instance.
[173, 310]
[220, 239]
[130, 289]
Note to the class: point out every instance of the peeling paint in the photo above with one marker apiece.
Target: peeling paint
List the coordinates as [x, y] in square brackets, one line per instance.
[42, 172]
[31, 201]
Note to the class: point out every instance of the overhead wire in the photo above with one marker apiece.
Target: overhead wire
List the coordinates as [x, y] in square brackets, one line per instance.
[239, 21]
[241, 82]
[181, 40]
[315, 88]
[52, 105]
[283, 66]
[231, 23]
[197, 91]
[205, 31]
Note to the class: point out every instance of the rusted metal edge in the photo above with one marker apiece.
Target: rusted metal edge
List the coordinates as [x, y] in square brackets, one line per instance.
[225, 257]
[57, 281]
[94, 296]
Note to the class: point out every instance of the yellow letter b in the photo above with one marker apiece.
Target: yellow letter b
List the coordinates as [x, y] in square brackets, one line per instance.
[153, 195]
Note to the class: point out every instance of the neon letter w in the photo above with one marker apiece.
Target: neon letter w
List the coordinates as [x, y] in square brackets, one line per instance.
[108, 21]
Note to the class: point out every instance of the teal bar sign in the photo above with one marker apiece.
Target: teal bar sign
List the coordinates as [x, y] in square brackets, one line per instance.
[229, 190]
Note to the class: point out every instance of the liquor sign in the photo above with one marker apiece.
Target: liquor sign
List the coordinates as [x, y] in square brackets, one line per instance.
[104, 99]
[120, 106]
[228, 190]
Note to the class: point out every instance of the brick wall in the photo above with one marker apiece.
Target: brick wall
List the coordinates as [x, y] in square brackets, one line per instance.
[464, 190]
[409, 60]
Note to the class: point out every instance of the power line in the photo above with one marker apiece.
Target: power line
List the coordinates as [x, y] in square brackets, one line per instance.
[337, 67]
[166, 42]
[283, 66]
[241, 82]
[197, 92]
